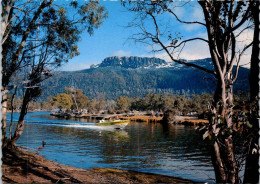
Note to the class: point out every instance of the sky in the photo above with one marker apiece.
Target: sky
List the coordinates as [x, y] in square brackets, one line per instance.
[112, 37]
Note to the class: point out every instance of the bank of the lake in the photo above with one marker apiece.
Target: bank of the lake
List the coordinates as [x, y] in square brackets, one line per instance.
[171, 150]
[22, 166]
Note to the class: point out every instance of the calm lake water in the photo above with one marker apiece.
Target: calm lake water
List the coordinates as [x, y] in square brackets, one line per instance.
[148, 147]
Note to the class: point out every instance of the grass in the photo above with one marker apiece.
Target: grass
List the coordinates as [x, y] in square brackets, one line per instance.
[142, 118]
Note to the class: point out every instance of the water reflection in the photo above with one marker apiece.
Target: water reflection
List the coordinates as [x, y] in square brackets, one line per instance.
[148, 147]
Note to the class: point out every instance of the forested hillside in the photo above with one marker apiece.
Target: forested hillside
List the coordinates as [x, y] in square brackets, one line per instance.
[133, 79]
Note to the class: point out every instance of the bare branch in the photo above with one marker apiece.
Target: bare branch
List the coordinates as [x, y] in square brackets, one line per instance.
[239, 58]
[183, 43]
[185, 22]
[20, 10]
[6, 36]
[233, 53]
[10, 20]
[155, 23]
[247, 27]
[191, 39]
[185, 63]
[156, 39]
[242, 21]
[43, 5]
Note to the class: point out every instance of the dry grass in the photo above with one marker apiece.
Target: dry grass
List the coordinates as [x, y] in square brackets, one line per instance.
[142, 118]
[198, 121]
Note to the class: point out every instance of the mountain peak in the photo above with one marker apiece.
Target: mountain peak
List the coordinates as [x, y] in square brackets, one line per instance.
[130, 62]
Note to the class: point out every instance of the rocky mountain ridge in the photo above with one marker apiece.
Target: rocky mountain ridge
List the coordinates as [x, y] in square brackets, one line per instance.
[131, 62]
[134, 62]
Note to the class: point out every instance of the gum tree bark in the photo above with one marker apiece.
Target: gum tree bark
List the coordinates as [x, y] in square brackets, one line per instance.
[4, 92]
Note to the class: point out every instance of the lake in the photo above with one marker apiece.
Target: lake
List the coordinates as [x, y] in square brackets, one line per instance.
[173, 150]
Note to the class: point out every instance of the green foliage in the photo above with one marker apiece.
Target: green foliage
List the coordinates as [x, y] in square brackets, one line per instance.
[37, 38]
[123, 103]
[63, 101]
[115, 82]
[201, 102]
[169, 115]
[152, 101]
[80, 100]
[43, 35]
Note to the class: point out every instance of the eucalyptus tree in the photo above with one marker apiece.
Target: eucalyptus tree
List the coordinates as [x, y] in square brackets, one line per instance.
[223, 21]
[63, 101]
[252, 160]
[39, 36]
[80, 100]
[123, 103]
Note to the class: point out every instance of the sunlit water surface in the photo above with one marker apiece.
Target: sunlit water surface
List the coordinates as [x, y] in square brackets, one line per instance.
[148, 147]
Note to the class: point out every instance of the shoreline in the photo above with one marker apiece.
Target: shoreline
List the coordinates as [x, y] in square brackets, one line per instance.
[23, 166]
[139, 117]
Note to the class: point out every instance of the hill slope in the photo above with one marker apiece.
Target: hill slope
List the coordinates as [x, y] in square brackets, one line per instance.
[135, 76]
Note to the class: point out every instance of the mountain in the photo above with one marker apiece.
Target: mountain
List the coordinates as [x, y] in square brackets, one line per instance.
[131, 62]
[137, 76]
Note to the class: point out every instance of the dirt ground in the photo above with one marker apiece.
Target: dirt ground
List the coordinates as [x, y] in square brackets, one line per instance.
[22, 166]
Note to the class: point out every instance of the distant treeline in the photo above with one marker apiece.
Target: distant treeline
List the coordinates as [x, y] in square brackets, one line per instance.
[74, 99]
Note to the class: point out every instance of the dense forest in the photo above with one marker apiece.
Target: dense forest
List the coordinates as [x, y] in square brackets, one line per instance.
[137, 79]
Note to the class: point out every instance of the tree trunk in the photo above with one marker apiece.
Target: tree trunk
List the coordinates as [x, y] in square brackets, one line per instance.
[20, 125]
[4, 114]
[223, 158]
[254, 68]
[252, 161]
[217, 163]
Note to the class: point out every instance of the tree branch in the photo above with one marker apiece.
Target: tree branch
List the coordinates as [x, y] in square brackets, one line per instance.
[242, 21]
[185, 22]
[239, 58]
[24, 38]
[191, 39]
[233, 53]
[156, 39]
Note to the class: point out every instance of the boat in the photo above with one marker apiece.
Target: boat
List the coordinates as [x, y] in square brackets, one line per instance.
[115, 124]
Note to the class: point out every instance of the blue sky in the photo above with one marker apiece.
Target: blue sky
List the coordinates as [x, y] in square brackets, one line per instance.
[108, 40]
[111, 39]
